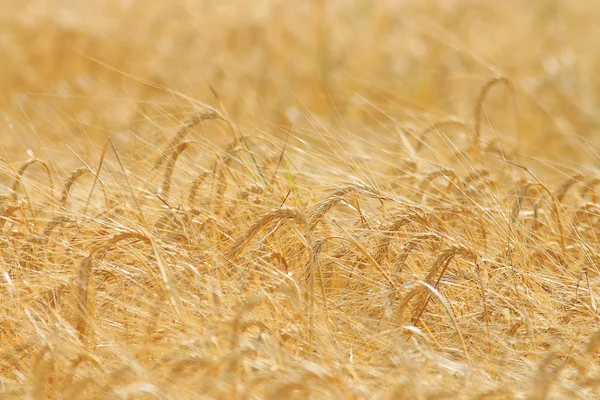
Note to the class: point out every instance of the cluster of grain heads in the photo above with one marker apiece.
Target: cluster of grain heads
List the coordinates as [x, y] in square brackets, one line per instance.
[478, 179]
[254, 274]
[410, 245]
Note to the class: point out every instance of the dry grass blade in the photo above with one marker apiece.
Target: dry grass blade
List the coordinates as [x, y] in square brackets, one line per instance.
[309, 276]
[486, 314]
[97, 178]
[593, 302]
[280, 159]
[82, 294]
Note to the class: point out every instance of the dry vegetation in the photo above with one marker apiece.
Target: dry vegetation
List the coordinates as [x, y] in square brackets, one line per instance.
[312, 199]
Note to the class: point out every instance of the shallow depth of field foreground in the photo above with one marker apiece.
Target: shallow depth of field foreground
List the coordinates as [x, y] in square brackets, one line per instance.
[313, 199]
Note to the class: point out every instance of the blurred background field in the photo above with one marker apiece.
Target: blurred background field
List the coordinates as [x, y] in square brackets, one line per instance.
[400, 134]
[78, 71]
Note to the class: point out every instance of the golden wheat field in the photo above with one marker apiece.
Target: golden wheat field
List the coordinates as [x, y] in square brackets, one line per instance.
[341, 199]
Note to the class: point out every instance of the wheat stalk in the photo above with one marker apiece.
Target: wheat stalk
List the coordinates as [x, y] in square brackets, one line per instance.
[180, 148]
[79, 172]
[200, 116]
[479, 105]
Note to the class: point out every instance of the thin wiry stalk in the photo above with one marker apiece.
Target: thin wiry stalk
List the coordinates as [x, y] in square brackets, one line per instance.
[56, 221]
[364, 251]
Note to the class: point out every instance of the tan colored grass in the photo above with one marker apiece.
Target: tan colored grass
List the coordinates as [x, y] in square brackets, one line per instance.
[324, 199]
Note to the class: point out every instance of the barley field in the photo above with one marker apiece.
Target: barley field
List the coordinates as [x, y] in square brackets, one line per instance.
[341, 199]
